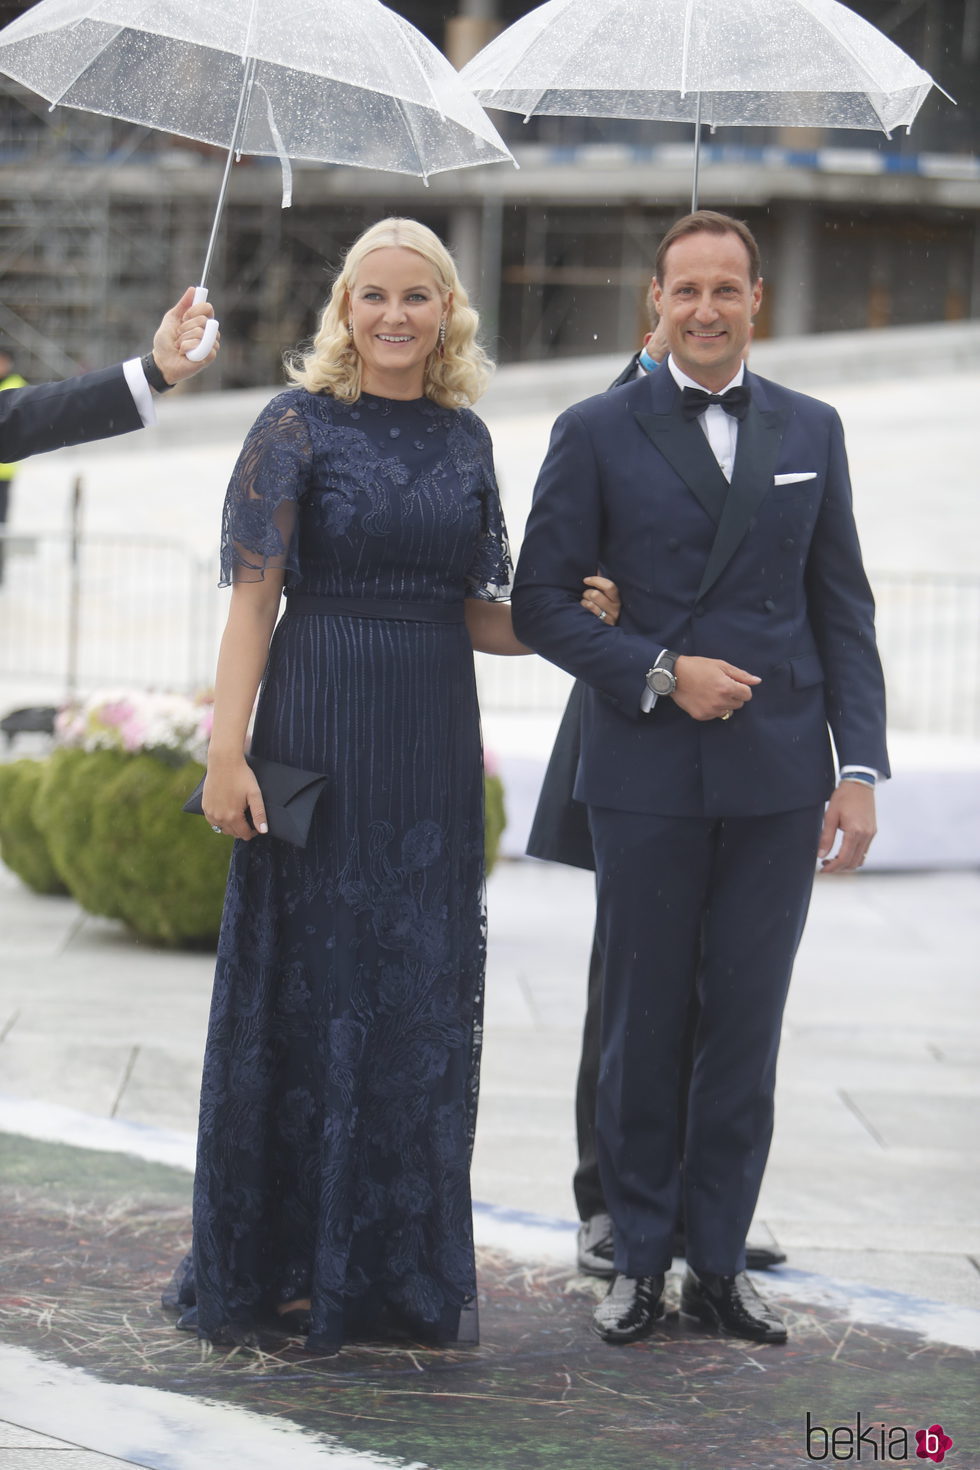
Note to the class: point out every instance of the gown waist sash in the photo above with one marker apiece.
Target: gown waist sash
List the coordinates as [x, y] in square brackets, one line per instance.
[307, 603]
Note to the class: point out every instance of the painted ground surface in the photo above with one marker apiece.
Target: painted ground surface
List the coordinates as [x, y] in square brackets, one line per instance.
[89, 1240]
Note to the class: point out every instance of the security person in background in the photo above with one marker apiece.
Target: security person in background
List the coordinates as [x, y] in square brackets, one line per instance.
[8, 379]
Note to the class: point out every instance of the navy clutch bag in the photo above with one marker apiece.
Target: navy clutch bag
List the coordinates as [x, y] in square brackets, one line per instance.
[290, 797]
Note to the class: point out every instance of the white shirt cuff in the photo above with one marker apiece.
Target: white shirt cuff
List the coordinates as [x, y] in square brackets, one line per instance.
[140, 389]
[867, 770]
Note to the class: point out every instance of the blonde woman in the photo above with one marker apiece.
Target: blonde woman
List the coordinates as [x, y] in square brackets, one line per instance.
[340, 1079]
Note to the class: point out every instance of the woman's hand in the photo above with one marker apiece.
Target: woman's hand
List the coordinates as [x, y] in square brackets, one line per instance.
[601, 597]
[229, 788]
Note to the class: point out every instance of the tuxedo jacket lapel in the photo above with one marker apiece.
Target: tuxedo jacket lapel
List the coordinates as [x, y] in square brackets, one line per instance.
[685, 448]
[760, 435]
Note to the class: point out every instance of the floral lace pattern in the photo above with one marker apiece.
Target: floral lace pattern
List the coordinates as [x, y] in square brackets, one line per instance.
[340, 1081]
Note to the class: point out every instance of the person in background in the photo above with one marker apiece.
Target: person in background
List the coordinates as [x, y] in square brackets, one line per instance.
[9, 378]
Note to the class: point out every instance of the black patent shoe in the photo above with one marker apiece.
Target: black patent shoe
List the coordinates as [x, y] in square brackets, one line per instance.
[762, 1257]
[631, 1308]
[730, 1304]
[595, 1247]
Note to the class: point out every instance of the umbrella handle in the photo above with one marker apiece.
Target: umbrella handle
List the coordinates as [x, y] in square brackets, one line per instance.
[203, 348]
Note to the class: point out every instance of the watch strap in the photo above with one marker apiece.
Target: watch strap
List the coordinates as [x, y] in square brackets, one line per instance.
[153, 375]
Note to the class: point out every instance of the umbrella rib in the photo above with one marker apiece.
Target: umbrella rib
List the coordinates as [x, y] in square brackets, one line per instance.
[855, 56]
[403, 25]
[87, 62]
[688, 19]
[423, 171]
[541, 37]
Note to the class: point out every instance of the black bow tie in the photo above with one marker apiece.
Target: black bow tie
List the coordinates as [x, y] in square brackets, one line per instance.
[694, 401]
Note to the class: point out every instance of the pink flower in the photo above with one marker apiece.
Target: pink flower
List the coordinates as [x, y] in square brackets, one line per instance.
[132, 732]
[115, 712]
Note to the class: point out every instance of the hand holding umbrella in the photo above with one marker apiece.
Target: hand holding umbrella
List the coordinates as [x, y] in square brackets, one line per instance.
[187, 338]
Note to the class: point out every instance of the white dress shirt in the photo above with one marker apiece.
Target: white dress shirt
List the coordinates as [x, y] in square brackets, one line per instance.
[140, 389]
[720, 427]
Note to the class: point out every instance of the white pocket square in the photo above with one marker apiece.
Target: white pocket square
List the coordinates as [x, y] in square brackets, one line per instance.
[794, 479]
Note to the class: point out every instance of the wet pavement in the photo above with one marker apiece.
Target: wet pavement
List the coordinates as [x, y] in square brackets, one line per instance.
[872, 1190]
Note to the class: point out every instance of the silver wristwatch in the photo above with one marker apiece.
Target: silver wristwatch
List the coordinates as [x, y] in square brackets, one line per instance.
[660, 679]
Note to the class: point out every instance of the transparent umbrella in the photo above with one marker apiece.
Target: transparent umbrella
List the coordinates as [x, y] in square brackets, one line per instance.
[765, 63]
[349, 83]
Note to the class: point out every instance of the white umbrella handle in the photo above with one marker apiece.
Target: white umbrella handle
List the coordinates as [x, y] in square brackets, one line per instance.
[203, 348]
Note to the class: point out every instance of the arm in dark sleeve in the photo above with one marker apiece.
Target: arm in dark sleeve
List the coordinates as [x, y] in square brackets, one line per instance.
[841, 610]
[96, 405]
[562, 544]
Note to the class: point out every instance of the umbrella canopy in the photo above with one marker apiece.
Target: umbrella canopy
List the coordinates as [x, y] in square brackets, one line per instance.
[351, 83]
[774, 63]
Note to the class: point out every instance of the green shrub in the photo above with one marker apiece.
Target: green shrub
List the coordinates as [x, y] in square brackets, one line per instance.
[168, 870]
[495, 818]
[68, 793]
[22, 845]
[108, 826]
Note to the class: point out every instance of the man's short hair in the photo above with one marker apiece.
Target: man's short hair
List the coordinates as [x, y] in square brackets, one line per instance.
[713, 223]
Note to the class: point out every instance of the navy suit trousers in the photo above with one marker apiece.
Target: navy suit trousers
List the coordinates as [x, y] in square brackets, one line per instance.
[684, 903]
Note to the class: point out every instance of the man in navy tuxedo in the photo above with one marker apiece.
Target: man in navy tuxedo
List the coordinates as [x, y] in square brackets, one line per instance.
[107, 402]
[560, 834]
[720, 504]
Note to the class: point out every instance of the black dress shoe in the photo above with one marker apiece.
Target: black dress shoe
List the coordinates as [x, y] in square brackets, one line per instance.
[595, 1247]
[732, 1305]
[762, 1257]
[630, 1309]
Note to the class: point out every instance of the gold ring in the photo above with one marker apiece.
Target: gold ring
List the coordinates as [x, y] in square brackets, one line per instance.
[726, 716]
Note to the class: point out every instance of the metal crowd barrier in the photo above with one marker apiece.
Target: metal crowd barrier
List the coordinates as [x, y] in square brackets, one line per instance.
[130, 611]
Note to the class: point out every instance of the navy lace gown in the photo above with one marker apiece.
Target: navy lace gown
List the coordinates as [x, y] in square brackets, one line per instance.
[340, 1077]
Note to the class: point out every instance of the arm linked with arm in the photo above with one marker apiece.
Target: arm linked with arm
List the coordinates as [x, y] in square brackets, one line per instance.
[562, 545]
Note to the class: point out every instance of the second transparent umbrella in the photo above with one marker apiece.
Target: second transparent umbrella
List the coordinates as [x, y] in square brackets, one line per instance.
[772, 63]
[349, 83]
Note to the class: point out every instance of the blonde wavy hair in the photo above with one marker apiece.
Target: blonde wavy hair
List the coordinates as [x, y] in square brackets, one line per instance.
[454, 379]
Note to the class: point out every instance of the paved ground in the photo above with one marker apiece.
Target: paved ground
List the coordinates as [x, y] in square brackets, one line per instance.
[872, 1181]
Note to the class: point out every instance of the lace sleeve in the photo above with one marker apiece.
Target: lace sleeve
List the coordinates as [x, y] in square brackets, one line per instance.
[258, 528]
[491, 570]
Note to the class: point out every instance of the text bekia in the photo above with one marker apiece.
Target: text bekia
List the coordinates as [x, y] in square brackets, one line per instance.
[873, 1442]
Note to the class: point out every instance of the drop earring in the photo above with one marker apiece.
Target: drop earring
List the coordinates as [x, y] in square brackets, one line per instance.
[350, 332]
[442, 337]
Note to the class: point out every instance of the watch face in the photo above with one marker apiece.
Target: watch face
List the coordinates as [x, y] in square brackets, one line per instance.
[661, 681]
